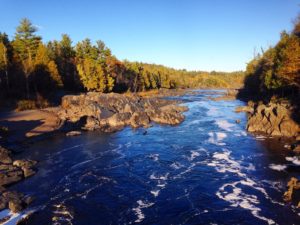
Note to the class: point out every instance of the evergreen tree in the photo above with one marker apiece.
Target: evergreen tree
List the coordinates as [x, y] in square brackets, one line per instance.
[25, 46]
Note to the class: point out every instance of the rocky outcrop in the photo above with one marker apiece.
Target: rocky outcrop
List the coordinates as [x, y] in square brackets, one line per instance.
[14, 171]
[10, 173]
[13, 200]
[273, 119]
[112, 112]
[292, 185]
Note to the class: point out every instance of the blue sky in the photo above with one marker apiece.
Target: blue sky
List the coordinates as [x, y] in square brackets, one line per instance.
[192, 34]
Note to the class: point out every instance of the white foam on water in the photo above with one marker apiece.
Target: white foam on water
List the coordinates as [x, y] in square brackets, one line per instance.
[161, 183]
[176, 165]
[221, 136]
[155, 193]
[159, 177]
[194, 122]
[215, 138]
[187, 170]
[232, 192]
[212, 111]
[154, 157]
[66, 149]
[244, 133]
[138, 210]
[62, 214]
[95, 158]
[294, 160]
[15, 218]
[260, 137]
[277, 167]
[128, 144]
[251, 167]
[225, 125]
[194, 154]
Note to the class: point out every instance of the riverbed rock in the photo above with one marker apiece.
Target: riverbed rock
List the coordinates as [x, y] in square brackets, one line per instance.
[73, 133]
[112, 112]
[27, 166]
[11, 175]
[139, 119]
[293, 184]
[24, 163]
[296, 148]
[14, 200]
[5, 156]
[273, 119]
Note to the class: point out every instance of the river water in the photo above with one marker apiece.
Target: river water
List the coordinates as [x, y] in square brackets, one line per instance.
[207, 170]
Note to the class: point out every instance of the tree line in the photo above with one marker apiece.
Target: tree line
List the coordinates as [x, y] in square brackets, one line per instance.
[276, 71]
[31, 69]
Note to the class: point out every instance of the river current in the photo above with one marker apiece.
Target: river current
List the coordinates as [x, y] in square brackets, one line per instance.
[207, 170]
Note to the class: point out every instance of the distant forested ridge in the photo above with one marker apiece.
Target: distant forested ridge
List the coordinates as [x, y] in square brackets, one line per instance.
[32, 69]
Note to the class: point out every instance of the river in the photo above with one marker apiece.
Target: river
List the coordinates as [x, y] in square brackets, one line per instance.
[207, 170]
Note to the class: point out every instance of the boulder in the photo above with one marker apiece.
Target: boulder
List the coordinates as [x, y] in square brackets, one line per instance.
[15, 205]
[24, 163]
[28, 172]
[139, 119]
[15, 201]
[5, 156]
[296, 148]
[293, 184]
[91, 123]
[273, 119]
[11, 175]
[26, 166]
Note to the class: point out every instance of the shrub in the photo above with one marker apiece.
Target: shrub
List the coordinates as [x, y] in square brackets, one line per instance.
[26, 105]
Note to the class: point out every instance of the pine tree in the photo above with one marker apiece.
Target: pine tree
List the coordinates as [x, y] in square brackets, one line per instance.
[25, 45]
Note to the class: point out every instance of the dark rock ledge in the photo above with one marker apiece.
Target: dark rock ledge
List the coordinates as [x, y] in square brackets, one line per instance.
[10, 173]
[112, 112]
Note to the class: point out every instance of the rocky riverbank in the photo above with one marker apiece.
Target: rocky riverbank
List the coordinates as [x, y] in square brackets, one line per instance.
[276, 120]
[91, 111]
[12, 171]
[273, 119]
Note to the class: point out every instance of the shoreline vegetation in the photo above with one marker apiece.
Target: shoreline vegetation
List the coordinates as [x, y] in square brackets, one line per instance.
[34, 74]
[69, 88]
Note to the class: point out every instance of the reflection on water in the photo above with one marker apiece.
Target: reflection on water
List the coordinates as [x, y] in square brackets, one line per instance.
[207, 170]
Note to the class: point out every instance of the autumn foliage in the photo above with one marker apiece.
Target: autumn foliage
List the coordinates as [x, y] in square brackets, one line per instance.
[31, 69]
